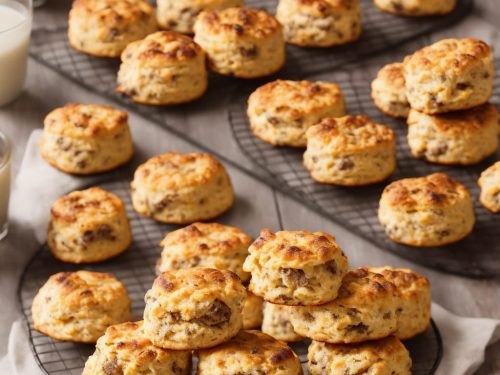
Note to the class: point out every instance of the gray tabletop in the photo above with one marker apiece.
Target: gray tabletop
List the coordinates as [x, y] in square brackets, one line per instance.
[258, 204]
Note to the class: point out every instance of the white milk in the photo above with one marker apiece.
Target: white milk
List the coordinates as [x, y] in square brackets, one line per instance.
[15, 27]
[4, 186]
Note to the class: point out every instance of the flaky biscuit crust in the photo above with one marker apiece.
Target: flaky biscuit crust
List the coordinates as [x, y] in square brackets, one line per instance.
[426, 211]
[194, 308]
[295, 267]
[463, 137]
[241, 42]
[389, 91]
[79, 306]
[181, 188]
[276, 323]
[320, 23]
[365, 309]
[489, 182]
[105, 27]
[416, 8]
[281, 111]
[124, 349]
[88, 226]
[210, 245]
[252, 311]
[383, 357]
[86, 138]
[450, 75]
[250, 352]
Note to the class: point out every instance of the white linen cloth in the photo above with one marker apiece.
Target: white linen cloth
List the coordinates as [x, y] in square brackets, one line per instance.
[38, 185]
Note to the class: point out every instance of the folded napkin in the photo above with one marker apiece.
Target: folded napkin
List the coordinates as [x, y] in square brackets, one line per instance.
[38, 185]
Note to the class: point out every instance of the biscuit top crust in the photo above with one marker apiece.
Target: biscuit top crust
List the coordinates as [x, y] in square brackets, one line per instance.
[160, 48]
[239, 22]
[127, 343]
[294, 249]
[117, 14]
[85, 121]
[350, 133]
[253, 347]
[84, 289]
[200, 239]
[93, 204]
[406, 280]
[489, 172]
[392, 74]
[174, 170]
[424, 193]
[448, 56]
[459, 122]
[294, 99]
[325, 7]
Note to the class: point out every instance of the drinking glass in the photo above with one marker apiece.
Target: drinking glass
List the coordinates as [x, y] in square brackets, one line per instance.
[5, 153]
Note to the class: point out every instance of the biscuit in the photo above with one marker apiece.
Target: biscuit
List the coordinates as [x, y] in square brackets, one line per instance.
[86, 138]
[489, 182]
[416, 8]
[179, 188]
[381, 357]
[463, 137]
[350, 151]
[281, 111]
[319, 23]
[252, 311]
[365, 309]
[450, 75]
[79, 306]
[194, 308]
[165, 68]
[250, 352]
[276, 323]
[105, 27]
[209, 245]
[241, 42]
[180, 16]
[433, 210]
[125, 350]
[88, 226]
[295, 267]
[389, 91]
[414, 290]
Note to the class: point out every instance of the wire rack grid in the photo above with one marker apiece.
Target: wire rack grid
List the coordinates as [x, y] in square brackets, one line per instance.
[136, 269]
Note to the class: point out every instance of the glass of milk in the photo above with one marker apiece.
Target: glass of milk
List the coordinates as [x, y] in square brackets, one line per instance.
[5, 152]
[15, 30]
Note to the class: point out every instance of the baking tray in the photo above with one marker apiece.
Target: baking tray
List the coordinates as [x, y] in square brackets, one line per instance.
[135, 268]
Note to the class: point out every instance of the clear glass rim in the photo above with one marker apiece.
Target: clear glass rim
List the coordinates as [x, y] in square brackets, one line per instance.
[28, 19]
[5, 152]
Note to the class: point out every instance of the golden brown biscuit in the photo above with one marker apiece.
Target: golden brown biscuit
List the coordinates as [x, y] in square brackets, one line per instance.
[86, 138]
[389, 91]
[88, 226]
[209, 245]
[416, 8]
[426, 211]
[365, 309]
[105, 27]
[281, 111]
[250, 352]
[252, 311]
[489, 182]
[276, 323]
[450, 75]
[414, 290]
[319, 23]
[350, 151]
[194, 308]
[382, 357]
[241, 42]
[181, 188]
[462, 137]
[125, 350]
[79, 306]
[295, 267]
[165, 68]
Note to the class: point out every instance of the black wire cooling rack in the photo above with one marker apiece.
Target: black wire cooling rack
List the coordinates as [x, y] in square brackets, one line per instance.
[136, 269]
[356, 208]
